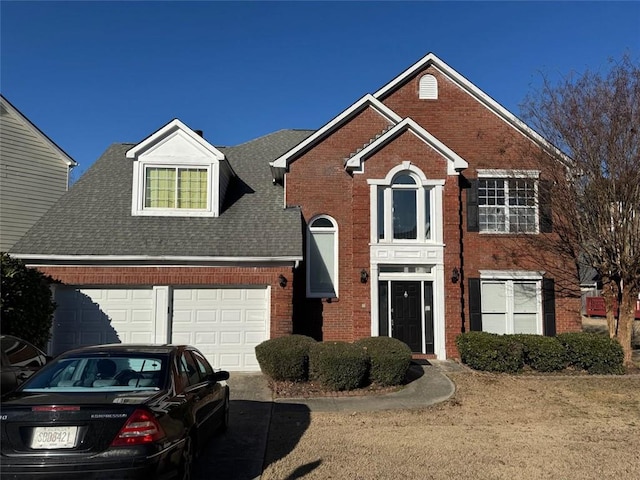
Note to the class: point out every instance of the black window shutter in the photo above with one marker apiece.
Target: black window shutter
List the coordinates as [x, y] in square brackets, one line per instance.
[544, 197]
[475, 305]
[549, 306]
[473, 224]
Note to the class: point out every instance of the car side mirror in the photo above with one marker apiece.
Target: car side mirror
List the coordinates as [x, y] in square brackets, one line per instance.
[219, 376]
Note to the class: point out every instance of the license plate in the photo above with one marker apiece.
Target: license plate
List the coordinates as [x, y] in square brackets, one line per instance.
[54, 437]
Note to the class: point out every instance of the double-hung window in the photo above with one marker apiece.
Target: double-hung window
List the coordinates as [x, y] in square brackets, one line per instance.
[508, 204]
[511, 306]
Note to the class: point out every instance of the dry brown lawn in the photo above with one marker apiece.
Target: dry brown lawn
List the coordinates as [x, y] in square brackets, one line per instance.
[495, 427]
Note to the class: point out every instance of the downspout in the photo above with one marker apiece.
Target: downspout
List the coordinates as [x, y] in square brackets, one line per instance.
[462, 184]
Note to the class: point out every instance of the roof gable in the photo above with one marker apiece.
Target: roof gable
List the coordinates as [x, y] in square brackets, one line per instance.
[17, 114]
[175, 140]
[368, 101]
[432, 60]
[455, 163]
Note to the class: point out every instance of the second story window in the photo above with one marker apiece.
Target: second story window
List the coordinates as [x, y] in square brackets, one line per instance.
[404, 210]
[181, 188]
[504, 201]
[507, 205]
[177, 173]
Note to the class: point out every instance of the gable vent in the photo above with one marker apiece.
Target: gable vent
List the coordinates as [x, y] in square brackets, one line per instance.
[428, 88]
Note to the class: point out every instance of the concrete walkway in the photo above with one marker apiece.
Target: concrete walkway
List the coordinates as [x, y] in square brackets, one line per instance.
[239, 453]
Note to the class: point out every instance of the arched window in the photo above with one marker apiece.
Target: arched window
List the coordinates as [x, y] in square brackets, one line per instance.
[428, 88]
[322, 257]
[404, 208]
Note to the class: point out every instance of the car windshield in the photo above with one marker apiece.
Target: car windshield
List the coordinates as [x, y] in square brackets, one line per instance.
[99, 373]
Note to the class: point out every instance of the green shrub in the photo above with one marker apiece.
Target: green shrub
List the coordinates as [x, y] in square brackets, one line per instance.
[338, 365]
[27, 304]
[490, 352]
[285, 358]
[389, 359]
[595, 353]
[544, 354]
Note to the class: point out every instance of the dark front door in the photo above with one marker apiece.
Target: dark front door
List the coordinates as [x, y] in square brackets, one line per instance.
[405, 314]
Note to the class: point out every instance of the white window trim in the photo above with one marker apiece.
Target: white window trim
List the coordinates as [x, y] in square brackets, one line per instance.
[138, 194]
[509, 277]
[336, 270]
[423, 187]
[507, 175]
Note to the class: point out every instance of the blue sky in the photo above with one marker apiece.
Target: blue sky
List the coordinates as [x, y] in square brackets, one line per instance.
[90, 74]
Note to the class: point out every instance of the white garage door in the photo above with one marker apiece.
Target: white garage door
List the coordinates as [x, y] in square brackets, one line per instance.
[90, 316]
[224, 323]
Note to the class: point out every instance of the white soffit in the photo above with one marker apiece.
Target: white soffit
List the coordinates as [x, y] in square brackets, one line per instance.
[366, 101]
[455, 164]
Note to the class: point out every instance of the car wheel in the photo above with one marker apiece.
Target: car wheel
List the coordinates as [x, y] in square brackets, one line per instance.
[186, 462]
[225, 414]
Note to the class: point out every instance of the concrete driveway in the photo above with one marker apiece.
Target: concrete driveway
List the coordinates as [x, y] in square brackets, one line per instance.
[239, 453]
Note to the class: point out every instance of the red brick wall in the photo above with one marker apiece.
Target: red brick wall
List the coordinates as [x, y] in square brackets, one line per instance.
[485, 141]
[318, 183]
[281, 298]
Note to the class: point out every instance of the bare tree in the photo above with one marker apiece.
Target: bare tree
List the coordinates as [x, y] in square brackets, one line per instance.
[593, 120]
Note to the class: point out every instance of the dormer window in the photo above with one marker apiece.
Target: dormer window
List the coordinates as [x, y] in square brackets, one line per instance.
[181, 188]
[178, 173]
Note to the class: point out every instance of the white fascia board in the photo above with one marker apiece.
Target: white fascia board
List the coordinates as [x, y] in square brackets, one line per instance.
[367, 100]
[167, 130]
[43, 259]
[70, 162]
[475, 92]
[455, 165]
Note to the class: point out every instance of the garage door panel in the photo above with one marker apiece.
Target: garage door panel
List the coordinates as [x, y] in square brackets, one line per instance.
[230, 316]
[228, 323]
[89, 316]
[255, 316]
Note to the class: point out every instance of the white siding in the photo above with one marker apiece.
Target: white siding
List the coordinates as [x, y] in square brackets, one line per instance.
[33, 176]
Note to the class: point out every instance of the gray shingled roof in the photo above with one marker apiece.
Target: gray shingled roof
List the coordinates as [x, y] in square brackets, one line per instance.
[94, 217]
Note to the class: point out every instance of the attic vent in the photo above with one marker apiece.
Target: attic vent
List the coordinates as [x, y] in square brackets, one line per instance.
[428, 88]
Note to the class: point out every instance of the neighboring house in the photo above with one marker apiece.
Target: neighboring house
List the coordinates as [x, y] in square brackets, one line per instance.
[34, 174]
[412, 213]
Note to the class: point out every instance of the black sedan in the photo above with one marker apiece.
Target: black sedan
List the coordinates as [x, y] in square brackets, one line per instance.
[113, 411]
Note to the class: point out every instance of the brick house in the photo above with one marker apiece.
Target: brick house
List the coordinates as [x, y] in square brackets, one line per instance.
[412, 213]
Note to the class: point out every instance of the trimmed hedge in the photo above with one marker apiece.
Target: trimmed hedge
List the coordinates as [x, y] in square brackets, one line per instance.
[544, 354]
[389, 359]
[491, 352]
[338, 365]
[595, 353]
[285, 358]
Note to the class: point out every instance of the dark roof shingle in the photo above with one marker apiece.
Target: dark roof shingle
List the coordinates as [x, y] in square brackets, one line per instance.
[94, 217]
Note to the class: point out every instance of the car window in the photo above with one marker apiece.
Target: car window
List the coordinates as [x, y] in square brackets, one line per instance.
[22, 354]
[203, 366]
[188, 369]
[90, 373]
